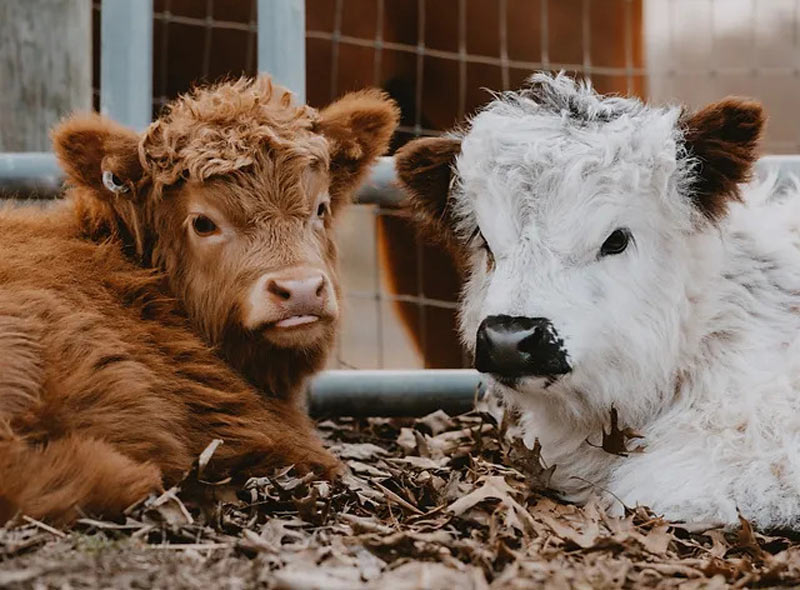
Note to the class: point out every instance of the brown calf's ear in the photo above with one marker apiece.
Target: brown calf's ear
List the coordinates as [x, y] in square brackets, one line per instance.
[358, 128]
[97, 153]
[724, 137]
[425, 170]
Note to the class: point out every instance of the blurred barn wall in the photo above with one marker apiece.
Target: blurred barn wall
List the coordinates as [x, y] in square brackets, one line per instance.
[701, 50]
[45, 68]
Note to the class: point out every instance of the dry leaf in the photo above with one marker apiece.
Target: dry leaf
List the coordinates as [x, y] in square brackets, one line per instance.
[615, 441]
[530, 463]
[469, 512]
[493, 487]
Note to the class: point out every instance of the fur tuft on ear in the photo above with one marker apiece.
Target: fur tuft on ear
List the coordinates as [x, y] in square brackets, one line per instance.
[724, 137]
[425, 170]
[358, 128]
[87, 145]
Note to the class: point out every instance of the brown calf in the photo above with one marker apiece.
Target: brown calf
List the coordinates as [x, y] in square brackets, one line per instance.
[183, 291]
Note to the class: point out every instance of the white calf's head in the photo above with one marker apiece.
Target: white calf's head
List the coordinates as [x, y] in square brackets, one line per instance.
[582, 223]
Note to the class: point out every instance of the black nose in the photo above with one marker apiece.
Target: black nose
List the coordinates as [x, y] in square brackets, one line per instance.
[518, 347]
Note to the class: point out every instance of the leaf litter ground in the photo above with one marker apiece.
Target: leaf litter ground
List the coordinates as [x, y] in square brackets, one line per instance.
[437, 502]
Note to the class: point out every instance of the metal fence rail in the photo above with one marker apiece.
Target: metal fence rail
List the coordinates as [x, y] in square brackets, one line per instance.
[39, 171]
[393, 393]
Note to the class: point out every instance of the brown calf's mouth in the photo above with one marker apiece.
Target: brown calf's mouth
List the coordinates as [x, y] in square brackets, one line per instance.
[296, 331]
[295, 321]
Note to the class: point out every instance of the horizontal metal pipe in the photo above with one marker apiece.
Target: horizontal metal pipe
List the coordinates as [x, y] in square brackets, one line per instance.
[40, 171]
[26, 172]
[393, 393]
[380, 188]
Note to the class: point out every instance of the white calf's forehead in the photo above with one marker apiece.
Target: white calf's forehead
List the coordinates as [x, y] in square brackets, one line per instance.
[564, 143]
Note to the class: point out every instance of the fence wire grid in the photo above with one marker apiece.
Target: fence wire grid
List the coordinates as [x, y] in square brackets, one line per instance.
[437, 58]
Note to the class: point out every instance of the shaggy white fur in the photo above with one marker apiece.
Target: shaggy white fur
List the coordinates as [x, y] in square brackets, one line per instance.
[691, 333]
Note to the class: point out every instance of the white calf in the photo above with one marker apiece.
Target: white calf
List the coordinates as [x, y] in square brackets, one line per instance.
[613, 259]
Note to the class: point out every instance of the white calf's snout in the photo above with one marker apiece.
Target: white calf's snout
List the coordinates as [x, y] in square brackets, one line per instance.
[512, 347]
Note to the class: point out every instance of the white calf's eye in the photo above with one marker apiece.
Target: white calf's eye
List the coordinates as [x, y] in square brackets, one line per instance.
[616, 242]
[113, 182]
[484, 245]
[322, 209]
[203, 226]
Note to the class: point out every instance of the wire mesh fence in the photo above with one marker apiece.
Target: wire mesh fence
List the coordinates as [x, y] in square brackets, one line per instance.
[437, 58]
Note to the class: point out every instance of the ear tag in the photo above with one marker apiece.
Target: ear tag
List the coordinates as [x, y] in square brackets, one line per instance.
[113, 182]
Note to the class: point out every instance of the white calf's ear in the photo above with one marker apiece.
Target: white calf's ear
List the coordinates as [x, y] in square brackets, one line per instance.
[358, 128]
[425, 170]
[724, 137]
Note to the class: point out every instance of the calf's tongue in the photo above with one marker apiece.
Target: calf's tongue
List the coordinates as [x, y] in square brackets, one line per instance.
[296, 320]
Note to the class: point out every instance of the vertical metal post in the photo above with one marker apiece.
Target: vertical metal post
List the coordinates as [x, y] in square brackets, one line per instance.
[282, 43]
[126, 61]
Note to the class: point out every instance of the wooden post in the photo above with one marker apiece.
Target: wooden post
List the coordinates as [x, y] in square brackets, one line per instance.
[45, 68]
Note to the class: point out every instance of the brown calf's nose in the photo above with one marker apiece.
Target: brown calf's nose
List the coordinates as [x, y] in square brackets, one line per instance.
[307, 292]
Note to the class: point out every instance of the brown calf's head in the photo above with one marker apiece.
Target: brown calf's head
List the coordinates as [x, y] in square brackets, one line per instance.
[233, 192]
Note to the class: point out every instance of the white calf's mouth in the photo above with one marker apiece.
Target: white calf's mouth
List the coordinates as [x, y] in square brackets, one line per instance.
[296, 320]
[528, 382]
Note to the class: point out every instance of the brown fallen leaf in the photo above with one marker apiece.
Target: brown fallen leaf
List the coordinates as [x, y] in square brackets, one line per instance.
[168, 508]
[495, 487]
[657, 540]
[746, 540]
[529, 462]
[615, 441]
[437, 422]
[416, 575]
[586, 538]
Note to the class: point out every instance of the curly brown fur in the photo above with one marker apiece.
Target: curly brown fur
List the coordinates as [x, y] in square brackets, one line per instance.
[129, 339]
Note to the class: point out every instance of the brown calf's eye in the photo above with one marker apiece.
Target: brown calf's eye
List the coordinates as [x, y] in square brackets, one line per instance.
[113, 182]
[203, 226]
[322, 209]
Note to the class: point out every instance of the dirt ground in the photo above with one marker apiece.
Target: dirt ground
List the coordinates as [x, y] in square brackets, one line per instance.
[431, 503]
